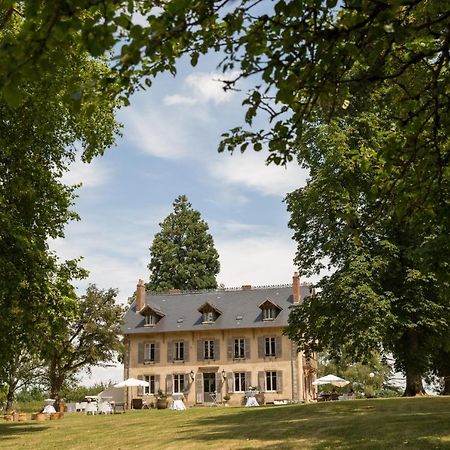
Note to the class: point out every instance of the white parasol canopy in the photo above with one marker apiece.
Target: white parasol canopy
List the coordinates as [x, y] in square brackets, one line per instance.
[131, 382]
[331, 379]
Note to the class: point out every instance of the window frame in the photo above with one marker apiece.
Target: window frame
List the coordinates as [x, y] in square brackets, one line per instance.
[270, 348]
[149, 351]
[271, 380]
[178, 382]
[150, 320]
[239, 382]
[179, 351]
[239, 348]
[208, 317]
[269, 313]
[208, 349]
[151, 380]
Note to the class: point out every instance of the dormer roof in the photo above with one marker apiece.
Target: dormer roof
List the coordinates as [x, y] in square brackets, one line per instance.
[208, 306]
[268, 303]
[149, 309]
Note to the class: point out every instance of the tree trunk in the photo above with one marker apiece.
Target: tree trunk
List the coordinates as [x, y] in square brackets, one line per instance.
[414, 384]
[446, 385]
[10, 397]
[56, 381]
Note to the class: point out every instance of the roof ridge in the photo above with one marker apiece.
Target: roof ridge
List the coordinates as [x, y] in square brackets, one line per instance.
[227, 289]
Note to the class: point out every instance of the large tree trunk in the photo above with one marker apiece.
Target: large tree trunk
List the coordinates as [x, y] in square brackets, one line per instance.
[414, 384]
[56, 379]
[10, 397]
[446, 386]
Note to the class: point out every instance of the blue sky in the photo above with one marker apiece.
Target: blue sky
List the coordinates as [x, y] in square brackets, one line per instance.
[169, 147]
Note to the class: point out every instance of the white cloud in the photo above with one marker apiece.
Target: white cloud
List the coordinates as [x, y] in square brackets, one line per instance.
[249, 170]
[257, 260]
[91, 175]
[203, 87]
[156, 134]
[177, 99]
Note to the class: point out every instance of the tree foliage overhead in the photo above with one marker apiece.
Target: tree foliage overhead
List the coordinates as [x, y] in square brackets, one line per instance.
[378, 196]
[39, 138]
[183, 255]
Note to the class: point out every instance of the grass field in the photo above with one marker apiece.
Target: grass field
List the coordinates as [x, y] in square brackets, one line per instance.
[418, 423]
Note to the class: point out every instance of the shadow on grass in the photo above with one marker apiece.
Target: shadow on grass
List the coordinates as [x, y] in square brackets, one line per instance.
[373, 424]
[12, 430]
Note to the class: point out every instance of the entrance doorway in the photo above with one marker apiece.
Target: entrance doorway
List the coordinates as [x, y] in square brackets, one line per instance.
[209, 387]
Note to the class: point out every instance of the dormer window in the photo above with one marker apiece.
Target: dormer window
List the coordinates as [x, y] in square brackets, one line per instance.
[150, 320]
[152, 315]
[270, 310]
[269, 313]
[208, 317]
[209, 312]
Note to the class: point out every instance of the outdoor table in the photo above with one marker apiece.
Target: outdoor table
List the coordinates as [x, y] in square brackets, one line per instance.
[91, 408]
[178, 405]
[251, 400]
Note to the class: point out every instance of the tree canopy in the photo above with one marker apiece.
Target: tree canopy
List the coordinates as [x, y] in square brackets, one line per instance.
[389, 289]
[82, 333]
[39, 137]
[183, 255]
[356, 91]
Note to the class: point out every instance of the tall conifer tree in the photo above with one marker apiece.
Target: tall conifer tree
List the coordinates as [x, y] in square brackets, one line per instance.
[183, 255]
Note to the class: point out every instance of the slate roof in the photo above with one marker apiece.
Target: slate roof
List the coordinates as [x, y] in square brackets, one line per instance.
[239, 309]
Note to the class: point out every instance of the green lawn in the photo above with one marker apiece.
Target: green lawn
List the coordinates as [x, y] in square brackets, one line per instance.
[419, 423]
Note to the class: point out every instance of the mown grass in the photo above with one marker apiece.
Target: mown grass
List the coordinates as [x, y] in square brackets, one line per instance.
[419, 423]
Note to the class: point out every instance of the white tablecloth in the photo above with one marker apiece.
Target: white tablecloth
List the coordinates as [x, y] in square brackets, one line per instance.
[251, 401]
[49, 409]
[91, 408]
[178, 405]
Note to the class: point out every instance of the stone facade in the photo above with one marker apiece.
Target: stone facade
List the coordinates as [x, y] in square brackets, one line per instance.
[209, 345]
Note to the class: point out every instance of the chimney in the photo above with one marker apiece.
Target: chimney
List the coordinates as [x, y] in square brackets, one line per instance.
[140, 295]
[296, 288]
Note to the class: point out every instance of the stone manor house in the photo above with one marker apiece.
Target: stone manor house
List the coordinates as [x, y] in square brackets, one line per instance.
[209, 344]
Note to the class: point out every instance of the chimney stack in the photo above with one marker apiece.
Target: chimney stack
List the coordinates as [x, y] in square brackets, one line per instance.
[296, 288]
[140, 295]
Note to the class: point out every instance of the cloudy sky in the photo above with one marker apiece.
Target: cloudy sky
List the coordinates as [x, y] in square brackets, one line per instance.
[169, 147]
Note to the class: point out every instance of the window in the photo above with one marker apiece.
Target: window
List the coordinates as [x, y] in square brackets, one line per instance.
[270, 346]
[178, 383]
[239, 348]
[149, 352]
[208, 316]
[179, 351]
[271, 381]
[269, 313]
[239, 382]
[150, 320]
[208, 350]
[150, 389]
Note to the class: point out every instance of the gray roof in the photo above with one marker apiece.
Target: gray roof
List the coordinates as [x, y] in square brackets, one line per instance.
[239, 307]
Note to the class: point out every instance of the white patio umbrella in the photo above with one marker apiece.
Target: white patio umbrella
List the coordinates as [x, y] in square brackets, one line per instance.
[331, 379]
[131, 382]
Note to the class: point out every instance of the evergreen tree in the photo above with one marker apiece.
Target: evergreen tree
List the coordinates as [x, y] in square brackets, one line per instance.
[183, 255]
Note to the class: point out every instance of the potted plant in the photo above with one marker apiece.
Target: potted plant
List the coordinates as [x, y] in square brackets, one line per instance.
[226, 399]
[161, 400]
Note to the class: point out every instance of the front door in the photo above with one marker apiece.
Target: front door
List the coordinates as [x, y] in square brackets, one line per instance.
[209, 387]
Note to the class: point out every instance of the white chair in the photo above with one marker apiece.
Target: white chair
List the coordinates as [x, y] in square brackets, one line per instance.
[91, 408]
[104, 408]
